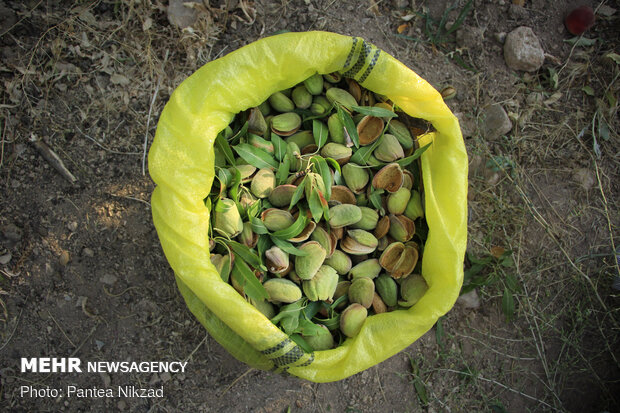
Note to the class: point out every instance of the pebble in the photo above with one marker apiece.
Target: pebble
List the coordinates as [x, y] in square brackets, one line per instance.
[469, 300]
[72, 226]
[87, 252]
[585, 177]
[179, 15]
[64, 258]
[165, 376]
[5, 258]
[10, 235]
[400, 4]
[496, 122]
[522, 50]
[108, 279]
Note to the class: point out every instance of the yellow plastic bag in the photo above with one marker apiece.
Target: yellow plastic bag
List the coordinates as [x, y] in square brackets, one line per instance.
[181, 164]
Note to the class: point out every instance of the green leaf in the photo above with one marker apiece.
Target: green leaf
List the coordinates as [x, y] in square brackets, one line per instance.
[553, 78]
[349, 126]
[512, 283]
[459, 21]
[334, 164]
[299, 340]
[294, 229]
[326, 174]
[254, 209]
[338, 301]
[263, 245]
[299, 192]
[283, 170]
[508, 304]
[581, 41]
[258, 226]
[614, 56]
[279, 146]
[287, 247]
[361, 156]
[409, 159]
[241, 133]
[374, 111]
[308, 328]
[233, 190]
[252, 287]
[603, 128]
[224, 147]
[375, 200]
[588, 90]
[315, 205]
[288, 317]
[255, 156]
[245, 253]
[311, 309]
[224, 176]
[320, 133]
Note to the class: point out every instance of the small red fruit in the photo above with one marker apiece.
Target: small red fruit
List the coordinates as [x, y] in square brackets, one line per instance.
[579, 20]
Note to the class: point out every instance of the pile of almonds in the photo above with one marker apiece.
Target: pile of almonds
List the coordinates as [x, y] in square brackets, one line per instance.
[317, 216]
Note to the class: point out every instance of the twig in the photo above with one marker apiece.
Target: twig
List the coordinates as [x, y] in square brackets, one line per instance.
[196, 349]
[50, 156]
[2, 142]
[92, 330]
[148, 119]
[61, 329]
[132, 198]
[14, 329]
[235, 381]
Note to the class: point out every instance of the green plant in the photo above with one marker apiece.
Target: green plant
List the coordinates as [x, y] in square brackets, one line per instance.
[493, 269]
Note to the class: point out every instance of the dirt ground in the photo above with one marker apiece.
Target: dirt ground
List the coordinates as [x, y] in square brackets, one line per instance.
[82, 273]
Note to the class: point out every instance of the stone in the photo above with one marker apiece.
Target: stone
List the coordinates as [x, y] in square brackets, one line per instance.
[585, 178]
[108, 279]
[180, 15]
[522, 50]
[469, 300]
[495, 122]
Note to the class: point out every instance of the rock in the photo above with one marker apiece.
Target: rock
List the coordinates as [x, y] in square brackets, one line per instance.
[5, 258]
[585, 178]
[522, 50]
[87, 252]
[495, 122]
[108, 279]
[180, 15]
[400, 4]
[10, 235]
[518, 13]
[469, 300]
[500, 37]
